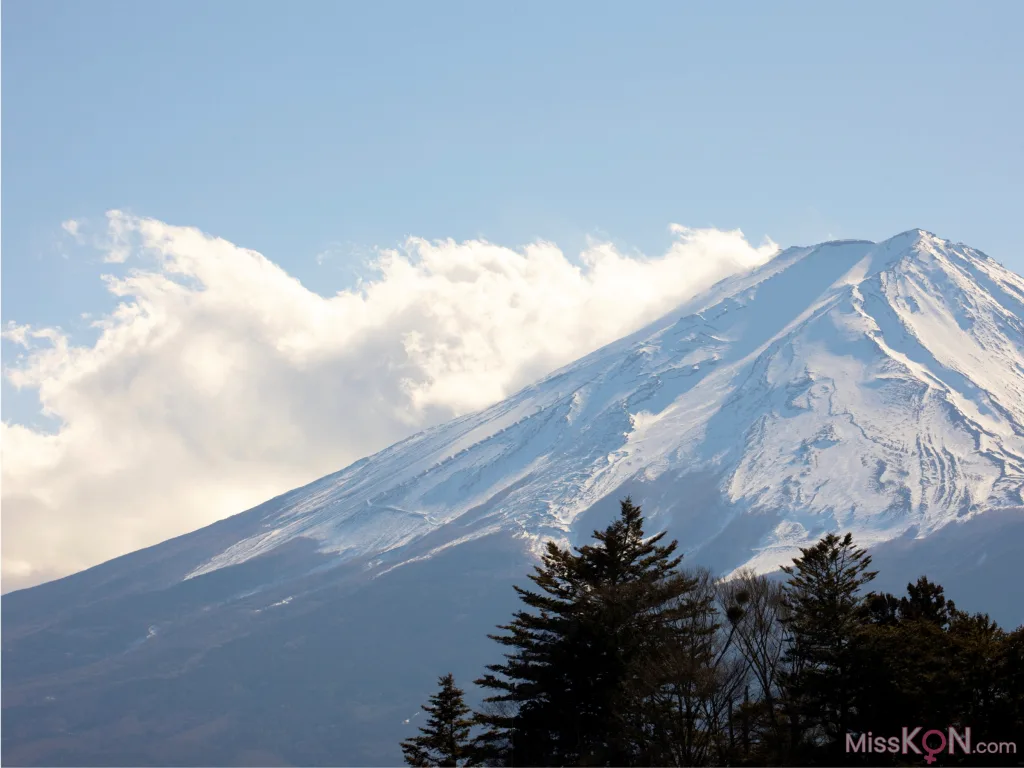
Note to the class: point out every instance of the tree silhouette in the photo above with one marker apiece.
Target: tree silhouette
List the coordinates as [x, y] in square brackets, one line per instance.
[444, 740]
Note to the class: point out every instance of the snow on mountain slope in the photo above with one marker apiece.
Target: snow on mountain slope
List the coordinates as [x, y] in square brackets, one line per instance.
[877, 388]
[872, 388]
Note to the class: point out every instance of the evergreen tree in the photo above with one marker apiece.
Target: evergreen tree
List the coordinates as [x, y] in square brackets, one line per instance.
[577, 676]
[923, 661]
[444, 740]
[905, 663]
[619, 658]
[977, 645]
[926, 601]
[825, 613]
[1011, 672]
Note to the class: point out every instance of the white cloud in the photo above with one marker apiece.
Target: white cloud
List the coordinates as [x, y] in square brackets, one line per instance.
[73, 227]
[220, 381]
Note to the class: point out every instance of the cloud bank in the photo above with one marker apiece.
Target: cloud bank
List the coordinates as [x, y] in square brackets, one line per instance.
[220, 381]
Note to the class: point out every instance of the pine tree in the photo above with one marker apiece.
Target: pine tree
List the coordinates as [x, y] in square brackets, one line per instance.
[926, 601]
[977, 645]
[1011, 673]
[826, 612]
[444, 740]
[575, 679]
[904, 660]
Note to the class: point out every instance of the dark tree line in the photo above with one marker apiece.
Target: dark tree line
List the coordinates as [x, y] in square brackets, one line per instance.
[619, 657]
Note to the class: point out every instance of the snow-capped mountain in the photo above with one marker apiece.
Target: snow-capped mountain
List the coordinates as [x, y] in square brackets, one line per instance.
[874, 388]
[855, 386]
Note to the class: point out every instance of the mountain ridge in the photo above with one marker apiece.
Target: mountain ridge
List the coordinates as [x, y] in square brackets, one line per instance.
[353, 513]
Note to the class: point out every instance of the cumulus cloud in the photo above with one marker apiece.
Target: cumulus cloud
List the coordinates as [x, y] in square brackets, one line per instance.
[220, 381]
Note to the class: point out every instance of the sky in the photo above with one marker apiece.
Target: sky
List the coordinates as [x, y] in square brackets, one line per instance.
[246, 243]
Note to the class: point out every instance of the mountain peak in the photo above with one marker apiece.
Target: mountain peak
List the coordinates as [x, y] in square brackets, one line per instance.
[920, 234]
[876, 389]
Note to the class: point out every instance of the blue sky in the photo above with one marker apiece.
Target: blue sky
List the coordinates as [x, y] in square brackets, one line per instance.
[314, 132]
[296, 129]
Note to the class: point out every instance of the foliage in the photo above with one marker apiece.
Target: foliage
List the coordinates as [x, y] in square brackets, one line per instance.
[620, 657]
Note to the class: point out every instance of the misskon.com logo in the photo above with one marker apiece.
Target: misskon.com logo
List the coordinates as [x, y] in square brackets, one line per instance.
[928, 744]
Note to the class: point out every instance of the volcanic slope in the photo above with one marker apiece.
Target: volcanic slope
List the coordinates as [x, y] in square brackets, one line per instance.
[850, 386]
[875, 388]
